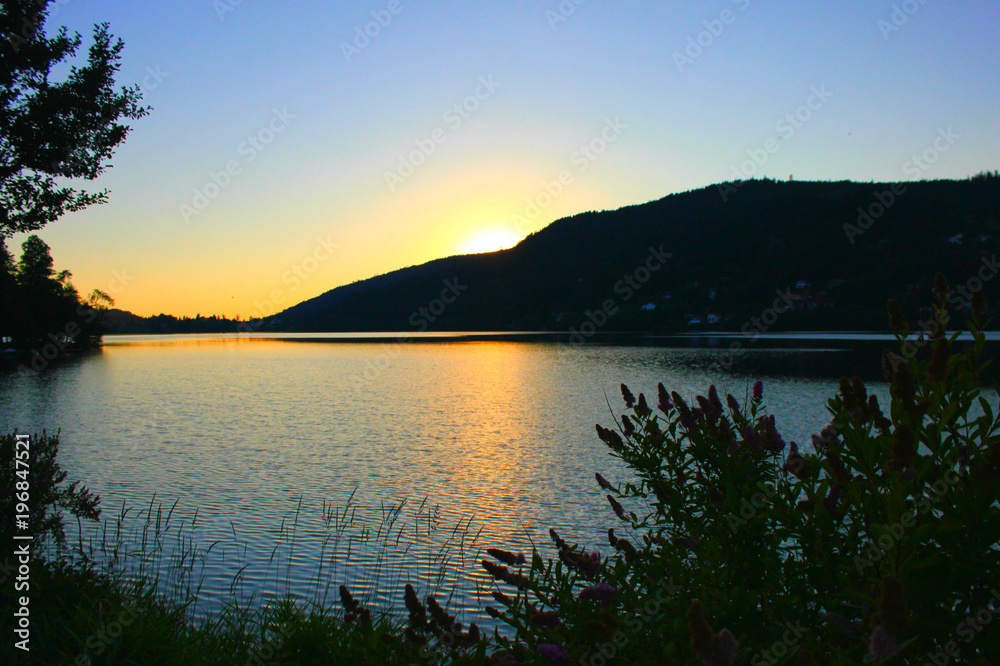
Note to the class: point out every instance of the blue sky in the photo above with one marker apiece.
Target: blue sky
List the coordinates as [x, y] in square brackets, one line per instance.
[284, 158]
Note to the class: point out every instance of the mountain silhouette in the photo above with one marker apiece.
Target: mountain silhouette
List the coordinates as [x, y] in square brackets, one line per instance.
[831, 253]
[744, 256]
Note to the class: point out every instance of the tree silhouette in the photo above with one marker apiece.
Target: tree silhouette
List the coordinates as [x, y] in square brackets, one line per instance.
[35, 270]
[40, 307]
[8, 288]
[48, 129]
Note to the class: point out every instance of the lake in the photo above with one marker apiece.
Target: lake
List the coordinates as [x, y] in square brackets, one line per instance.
[316, 460]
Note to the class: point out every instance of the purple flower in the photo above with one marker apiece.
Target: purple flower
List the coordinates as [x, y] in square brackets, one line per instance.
[628, 397]
[546, 618]
[589, 564]
[882, 644]
[727, 646]
[507, 557]
[665, 405]
[600, 592]
[713, 398]
[775, 443]
[553, 652]
[619, 511]
[707, 408]
[758, 390]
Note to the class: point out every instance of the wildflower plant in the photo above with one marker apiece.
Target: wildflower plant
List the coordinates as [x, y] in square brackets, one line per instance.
[877, 541]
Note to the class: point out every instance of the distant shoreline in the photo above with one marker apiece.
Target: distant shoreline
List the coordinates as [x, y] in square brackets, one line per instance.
[699, 338]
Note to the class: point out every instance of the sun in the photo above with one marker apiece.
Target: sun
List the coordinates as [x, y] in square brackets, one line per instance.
[489, 241]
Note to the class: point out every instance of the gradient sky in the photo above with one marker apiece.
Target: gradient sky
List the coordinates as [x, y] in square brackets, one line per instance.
[314, 209]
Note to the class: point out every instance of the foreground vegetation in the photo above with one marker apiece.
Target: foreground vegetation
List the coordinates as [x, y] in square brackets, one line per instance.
[876, 543]
[879, 544]
[41, 310]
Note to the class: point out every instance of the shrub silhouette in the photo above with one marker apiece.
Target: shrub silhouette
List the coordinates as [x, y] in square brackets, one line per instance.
[30, 476]
[877, 541]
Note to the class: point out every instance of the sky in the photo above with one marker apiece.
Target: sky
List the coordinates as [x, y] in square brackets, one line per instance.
[297, 146]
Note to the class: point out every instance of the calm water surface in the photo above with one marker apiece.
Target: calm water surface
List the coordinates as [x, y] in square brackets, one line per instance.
[495, 436]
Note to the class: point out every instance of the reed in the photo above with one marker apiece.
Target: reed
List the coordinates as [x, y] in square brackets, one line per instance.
[134, 588]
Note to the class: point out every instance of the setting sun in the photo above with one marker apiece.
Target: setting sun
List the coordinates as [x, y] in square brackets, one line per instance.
[490, 241]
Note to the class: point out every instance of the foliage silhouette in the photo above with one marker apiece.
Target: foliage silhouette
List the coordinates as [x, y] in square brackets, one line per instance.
[53, 130]
[878, 540]
[40, 309]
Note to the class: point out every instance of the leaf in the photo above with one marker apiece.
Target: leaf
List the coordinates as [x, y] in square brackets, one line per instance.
[987, 410]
